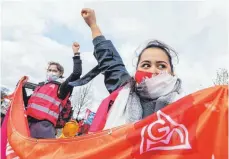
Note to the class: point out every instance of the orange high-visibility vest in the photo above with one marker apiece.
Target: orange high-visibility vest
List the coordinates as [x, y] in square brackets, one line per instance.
[44, 103]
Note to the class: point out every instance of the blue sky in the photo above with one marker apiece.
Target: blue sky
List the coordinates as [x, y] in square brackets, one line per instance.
[66, 36]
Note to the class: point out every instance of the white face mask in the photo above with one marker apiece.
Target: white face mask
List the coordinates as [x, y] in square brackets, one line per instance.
[52, 76]
[157, 86]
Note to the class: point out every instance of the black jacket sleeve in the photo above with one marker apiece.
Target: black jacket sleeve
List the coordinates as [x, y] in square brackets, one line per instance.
[26, 86]
[110, 63]
[65, 88]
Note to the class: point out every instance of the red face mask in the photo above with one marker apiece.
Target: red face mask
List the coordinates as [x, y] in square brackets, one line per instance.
[141, 75]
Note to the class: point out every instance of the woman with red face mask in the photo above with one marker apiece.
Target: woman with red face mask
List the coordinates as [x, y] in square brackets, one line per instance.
[132, 98]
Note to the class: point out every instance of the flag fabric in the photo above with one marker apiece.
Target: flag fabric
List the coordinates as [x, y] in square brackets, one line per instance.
[6, 150]
[194, 127]
[89, 116]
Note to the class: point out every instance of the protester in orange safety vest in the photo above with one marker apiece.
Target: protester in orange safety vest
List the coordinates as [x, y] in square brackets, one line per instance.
[154, 85]
[49, 97]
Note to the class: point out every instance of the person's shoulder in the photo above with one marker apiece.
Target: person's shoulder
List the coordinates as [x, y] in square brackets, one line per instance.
[179, 95]
[60, 80]
[56, 82]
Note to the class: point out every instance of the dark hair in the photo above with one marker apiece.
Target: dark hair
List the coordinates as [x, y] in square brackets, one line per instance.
[157, 44]
[59, 67]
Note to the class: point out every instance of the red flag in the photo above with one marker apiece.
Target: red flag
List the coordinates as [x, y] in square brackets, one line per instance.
[194, 127]
[6, 150]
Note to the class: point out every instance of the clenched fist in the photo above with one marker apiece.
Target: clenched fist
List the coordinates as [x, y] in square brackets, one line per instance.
[75, 47]
[89, 16]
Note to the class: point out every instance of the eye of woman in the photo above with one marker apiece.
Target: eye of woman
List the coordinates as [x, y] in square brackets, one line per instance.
[50, 70]
[161, 66]
[145, 65]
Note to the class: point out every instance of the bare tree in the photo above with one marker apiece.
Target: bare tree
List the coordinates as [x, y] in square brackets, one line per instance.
[82, 99]
[221, 77]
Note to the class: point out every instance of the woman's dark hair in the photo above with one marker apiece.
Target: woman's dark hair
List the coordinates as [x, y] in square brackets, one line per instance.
[157, 44]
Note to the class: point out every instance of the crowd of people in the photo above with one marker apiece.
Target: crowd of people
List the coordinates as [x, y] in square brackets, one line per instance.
[153, 87]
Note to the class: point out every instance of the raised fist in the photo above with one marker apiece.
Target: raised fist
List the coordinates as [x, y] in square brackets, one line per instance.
[89, 16]
[75, 47]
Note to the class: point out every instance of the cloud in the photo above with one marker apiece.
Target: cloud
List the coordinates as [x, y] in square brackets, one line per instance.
[197, 31]
[35, 32]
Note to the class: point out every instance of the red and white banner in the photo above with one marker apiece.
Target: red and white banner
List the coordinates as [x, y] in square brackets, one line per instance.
[194, 127]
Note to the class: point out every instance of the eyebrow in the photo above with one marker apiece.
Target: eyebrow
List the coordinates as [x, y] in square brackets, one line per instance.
[147, 61]
[161, 62]
[52, 69]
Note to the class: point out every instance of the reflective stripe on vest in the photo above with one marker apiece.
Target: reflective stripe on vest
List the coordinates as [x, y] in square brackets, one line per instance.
[48, 98]
[44, 109]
